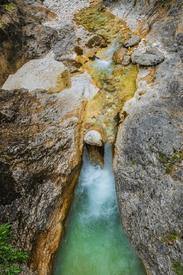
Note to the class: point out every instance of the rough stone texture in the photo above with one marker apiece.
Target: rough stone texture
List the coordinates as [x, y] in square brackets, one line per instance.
[22, 35]
[150, 57]
[40, 155]
[47, 74]
[133, 41]
[150, 200]
[27, 32]
[118, 55]
[93, 137]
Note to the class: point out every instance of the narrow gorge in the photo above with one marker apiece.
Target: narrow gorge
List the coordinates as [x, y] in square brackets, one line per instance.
[91, 125]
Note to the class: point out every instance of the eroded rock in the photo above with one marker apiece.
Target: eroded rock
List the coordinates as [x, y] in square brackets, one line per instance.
[40, 157]
[93, 137]
[151, 57]
[46, 73]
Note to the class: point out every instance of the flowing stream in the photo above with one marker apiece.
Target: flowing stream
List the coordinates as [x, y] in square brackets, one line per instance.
[94, 243]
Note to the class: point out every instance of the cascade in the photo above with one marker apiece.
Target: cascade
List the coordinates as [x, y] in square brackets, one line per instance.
[95, 243]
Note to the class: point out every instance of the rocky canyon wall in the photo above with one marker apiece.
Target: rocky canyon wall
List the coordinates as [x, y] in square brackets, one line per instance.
[148, 162]
[41, 128]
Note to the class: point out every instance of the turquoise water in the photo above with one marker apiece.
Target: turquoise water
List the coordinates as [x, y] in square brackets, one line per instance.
[94, 243]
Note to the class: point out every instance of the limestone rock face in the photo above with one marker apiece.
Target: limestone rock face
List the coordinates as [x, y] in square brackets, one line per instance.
[149, 191]
[47, 74]
[40, 157]
[118, 55]
[151, 57]
[93, 137]
[133, 41]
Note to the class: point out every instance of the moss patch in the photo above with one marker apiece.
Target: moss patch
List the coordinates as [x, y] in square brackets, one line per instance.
[98, 20]
[177, 268]
[10, 6]
[170, 161]
[171, 237]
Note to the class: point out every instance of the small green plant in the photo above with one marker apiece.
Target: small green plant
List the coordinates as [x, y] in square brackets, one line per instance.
[163, 158]
[170, 237]
[10, 6]
[7, 157]
[150, 149]
[177, 268]
[169, 162]
[133, 162]
[10, 258]
[163, 3]
[168, 170]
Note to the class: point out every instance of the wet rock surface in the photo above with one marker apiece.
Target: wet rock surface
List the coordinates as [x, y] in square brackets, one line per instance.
[119, 55]
[39, 164]
[126, 60]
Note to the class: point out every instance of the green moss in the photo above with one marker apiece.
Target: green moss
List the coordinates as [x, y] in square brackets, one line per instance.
[96, 19]
[170, 161]
[10, 6]
[133, 162]
[168, 170]
[163, 3]
[171, 237]
[177, 268]
[7, 157]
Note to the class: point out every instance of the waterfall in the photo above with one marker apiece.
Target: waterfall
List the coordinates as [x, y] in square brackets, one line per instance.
[95, 243]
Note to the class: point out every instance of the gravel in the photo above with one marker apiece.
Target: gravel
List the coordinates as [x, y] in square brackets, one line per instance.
[65, 10]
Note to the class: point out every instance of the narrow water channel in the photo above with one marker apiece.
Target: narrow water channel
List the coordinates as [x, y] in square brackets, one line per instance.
[94, 243]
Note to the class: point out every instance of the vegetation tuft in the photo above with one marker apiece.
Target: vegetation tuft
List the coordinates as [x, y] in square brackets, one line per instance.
[171, 237]
[10, 258]
[163, 3]
[10, 6]
[169, 162]
[177, 268]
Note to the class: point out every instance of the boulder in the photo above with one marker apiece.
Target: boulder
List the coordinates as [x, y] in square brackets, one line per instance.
[94, 138]
[118, 55]
[133, 41]
[151, 57]
[46, 74]
[126, 60]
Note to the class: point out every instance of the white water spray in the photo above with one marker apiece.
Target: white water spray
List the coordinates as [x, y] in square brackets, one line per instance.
[95, 243]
